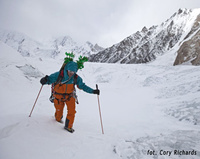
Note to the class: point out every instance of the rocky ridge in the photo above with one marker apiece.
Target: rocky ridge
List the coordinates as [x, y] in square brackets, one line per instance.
[144, 46]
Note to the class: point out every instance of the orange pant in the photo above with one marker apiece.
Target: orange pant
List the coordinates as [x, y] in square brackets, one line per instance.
[59, 105]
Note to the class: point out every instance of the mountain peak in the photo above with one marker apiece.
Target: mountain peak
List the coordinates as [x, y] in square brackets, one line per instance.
[145, 46]
[144, 29]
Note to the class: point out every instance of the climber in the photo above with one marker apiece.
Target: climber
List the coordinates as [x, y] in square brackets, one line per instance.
[64, 89]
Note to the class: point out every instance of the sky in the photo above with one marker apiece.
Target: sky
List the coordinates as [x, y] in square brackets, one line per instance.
[105, 22]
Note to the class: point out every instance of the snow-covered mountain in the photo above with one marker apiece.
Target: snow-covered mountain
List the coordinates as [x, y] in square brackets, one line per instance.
[145, 45]
[20, 42]
[54, 47]
[63, 43]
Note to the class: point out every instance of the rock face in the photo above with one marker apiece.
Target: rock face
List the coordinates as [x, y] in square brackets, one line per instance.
[145, 45]
[189, 51]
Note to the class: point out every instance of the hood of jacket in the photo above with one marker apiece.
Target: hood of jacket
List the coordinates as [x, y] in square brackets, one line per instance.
[71, 66]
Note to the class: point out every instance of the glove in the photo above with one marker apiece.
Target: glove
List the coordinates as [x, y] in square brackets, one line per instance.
[44, 80]
[97, 91]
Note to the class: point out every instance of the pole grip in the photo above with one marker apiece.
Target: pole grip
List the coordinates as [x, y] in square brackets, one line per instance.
[96, 86]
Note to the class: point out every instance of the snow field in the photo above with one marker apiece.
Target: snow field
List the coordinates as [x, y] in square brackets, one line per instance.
[144, 107]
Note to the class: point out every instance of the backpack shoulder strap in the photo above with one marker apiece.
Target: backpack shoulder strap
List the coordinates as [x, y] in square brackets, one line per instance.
[75, 79]
[61, 74]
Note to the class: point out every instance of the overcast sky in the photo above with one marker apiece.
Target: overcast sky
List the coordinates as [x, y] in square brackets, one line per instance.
[105, 22]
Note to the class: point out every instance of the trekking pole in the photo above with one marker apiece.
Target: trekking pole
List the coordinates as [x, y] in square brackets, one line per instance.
[35, 101]
[100, 111]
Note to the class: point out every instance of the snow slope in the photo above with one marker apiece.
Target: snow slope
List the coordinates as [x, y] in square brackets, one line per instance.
[145, 107]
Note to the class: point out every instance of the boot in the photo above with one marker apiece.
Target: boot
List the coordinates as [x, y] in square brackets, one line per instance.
[71, 130]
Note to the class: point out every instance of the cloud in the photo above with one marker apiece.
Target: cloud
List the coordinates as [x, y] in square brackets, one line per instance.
[105, 22]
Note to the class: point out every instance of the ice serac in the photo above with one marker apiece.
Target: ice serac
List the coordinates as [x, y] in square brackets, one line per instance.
[145, 45]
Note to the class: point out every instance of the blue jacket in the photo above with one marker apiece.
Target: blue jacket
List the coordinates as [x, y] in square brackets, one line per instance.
[71, 66]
